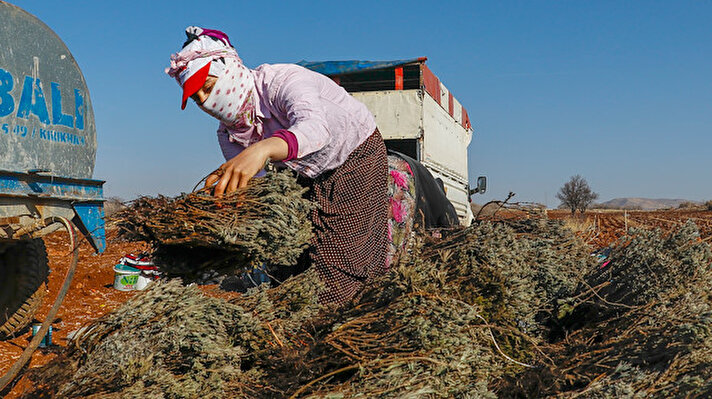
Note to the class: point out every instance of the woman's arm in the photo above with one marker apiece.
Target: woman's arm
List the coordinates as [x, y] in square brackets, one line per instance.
[236, 172]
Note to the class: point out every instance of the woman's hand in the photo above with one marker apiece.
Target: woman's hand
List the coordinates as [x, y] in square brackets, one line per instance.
[236, 172]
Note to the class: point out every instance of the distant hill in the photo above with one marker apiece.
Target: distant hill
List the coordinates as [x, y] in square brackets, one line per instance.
[646, 204]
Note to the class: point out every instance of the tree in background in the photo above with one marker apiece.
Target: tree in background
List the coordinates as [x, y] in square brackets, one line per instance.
[576, 194]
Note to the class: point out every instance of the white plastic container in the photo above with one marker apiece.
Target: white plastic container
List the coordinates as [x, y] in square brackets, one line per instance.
[143, 281]
[126, 277]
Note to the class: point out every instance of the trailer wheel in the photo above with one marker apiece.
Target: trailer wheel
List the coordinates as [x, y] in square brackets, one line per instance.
[23, 283]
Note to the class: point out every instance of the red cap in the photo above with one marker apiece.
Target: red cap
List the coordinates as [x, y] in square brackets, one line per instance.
[194, 83]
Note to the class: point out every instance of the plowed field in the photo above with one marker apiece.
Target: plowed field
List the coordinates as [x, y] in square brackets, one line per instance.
[602, 227]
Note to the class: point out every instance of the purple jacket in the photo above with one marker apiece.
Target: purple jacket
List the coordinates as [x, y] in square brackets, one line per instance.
[327, 122]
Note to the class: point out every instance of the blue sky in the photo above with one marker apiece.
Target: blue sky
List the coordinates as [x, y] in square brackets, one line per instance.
[619, 92]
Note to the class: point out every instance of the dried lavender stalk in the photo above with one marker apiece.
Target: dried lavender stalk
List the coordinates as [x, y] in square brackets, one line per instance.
[266, 222]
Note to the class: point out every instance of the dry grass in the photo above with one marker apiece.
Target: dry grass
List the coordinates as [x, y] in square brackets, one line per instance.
[463, 316]
[579, 224]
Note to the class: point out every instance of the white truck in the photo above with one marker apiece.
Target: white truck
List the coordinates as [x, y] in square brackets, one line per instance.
[417, 116]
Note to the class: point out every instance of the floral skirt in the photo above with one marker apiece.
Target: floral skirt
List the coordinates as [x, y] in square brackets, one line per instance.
[401, 207]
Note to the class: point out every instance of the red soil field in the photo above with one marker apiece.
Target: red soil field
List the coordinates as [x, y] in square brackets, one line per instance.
[602, 227]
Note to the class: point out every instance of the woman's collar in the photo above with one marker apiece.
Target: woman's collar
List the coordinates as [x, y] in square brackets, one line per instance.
[261, 109]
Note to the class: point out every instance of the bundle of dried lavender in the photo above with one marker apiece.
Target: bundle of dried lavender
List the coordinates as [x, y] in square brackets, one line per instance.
[266, 222]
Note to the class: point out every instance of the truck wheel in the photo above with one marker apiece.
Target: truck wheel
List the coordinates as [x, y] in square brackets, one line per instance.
[23, 283]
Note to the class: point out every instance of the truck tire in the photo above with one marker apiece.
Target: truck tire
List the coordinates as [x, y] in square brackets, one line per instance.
[23, 283]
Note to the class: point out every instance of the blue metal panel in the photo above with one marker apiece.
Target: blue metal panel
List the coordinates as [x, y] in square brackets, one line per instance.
[342, 67]
[91, 222]
[15, 184]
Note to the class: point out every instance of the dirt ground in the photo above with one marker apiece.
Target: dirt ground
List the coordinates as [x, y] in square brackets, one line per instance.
[92, 295]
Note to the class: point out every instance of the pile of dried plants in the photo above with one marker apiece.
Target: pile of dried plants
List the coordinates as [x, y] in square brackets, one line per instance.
[451, 320]
[643, 324]
[266, 222]
[500, 309]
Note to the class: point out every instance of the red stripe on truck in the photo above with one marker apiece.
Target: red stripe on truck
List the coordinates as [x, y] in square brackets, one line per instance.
[431, 83]
[465, 119]
[399, 78]
[450, 105]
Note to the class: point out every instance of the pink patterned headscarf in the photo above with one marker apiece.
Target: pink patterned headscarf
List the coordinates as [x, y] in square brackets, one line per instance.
[233, 98]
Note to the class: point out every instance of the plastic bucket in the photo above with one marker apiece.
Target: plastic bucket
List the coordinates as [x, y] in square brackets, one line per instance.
[125, 277]
[144, 279]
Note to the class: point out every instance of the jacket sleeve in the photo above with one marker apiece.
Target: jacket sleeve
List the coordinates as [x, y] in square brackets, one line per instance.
[228, 148]
[300, 101]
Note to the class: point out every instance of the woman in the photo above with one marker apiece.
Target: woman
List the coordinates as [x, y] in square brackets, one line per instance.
[286, 113]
